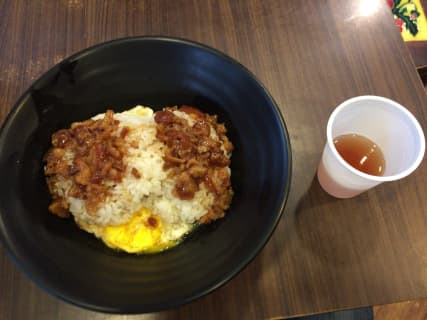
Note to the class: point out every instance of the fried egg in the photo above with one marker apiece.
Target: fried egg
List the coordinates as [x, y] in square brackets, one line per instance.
[143, 233]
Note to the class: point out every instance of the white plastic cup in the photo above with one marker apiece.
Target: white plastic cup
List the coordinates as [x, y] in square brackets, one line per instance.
[391, 126]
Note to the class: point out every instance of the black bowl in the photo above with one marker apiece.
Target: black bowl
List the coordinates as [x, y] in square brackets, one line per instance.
[155, 71]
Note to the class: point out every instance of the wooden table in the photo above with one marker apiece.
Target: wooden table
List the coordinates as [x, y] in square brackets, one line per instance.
[326, 254]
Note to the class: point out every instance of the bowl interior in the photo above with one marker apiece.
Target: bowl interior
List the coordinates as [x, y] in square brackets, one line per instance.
[156, 72]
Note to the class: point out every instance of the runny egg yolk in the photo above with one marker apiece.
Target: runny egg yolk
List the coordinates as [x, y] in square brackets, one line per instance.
[140, 111]
[143, 233]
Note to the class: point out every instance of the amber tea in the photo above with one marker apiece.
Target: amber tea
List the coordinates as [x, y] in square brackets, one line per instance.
[392, 126]
[361, 153]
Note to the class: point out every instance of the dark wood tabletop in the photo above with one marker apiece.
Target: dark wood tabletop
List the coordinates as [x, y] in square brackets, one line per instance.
[326, 254]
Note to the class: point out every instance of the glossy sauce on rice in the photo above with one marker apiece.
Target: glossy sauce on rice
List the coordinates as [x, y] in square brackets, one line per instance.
[173, 163]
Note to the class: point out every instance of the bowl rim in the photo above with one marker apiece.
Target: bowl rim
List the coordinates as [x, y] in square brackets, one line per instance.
[203, 291]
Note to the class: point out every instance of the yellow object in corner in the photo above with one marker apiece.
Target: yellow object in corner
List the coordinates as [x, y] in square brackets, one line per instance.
[410, 18]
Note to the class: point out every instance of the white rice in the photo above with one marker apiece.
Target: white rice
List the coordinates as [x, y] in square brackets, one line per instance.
[153, 190]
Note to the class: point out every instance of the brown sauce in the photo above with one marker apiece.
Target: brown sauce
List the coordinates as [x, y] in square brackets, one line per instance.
[194, 157]
[98, 158]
